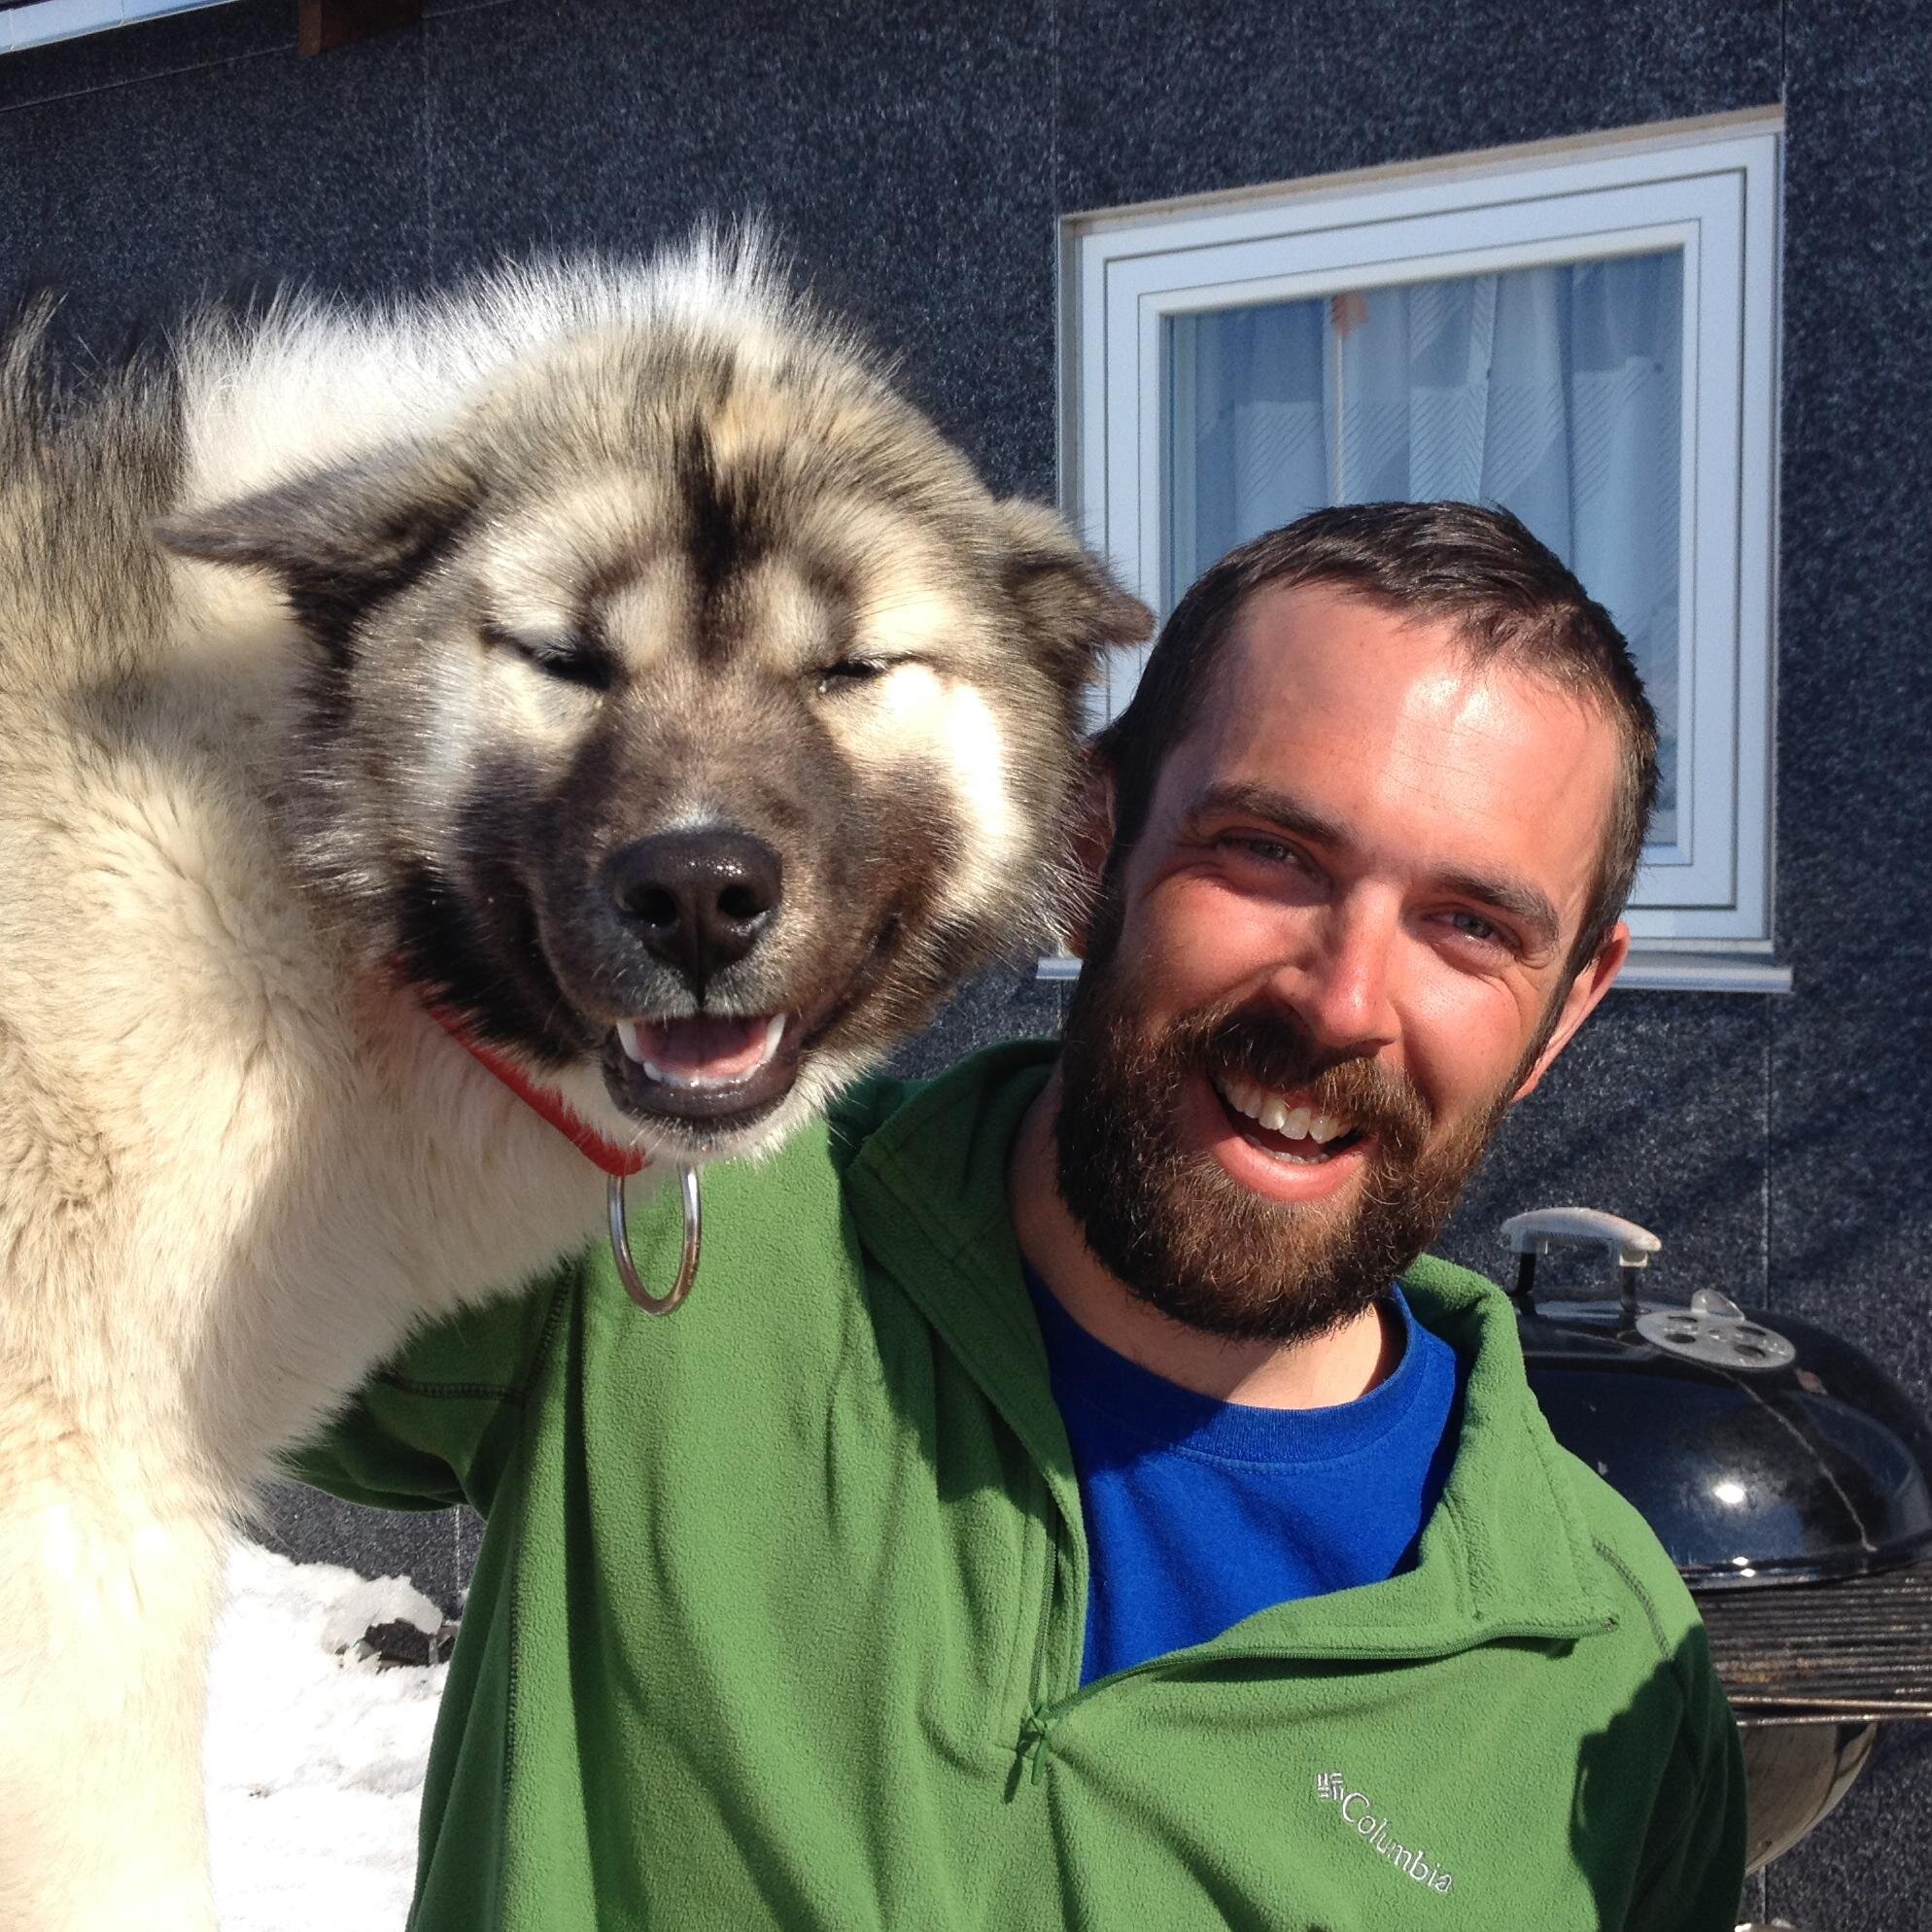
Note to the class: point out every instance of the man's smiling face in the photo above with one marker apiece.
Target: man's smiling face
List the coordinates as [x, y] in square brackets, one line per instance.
[1338, 949]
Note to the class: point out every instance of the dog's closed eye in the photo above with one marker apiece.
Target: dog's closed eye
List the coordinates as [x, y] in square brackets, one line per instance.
[576, 659]
[848, 672]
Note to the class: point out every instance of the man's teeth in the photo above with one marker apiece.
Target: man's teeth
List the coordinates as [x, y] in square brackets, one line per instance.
[1272, 1112]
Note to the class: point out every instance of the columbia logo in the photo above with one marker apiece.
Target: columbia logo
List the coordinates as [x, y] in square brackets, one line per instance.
[1359, 1812]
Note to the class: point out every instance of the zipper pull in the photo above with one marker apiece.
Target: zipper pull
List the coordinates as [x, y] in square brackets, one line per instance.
[1033, 1735]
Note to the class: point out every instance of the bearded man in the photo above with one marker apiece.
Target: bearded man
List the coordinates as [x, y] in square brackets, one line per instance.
[1069, 1501]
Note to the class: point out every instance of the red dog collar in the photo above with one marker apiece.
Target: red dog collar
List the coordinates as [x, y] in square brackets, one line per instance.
[607, 1155]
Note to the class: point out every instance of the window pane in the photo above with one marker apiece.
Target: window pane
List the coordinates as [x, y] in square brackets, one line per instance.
[1555, 392]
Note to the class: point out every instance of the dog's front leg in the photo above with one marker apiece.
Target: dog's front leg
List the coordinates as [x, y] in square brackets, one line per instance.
[105, 1608]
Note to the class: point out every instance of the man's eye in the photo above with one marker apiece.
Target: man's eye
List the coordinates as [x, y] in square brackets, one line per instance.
[1472, 925]
[1269, 851]
[849, 671]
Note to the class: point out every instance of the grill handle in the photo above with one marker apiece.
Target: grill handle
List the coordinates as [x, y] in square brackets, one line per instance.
[1534, 1234]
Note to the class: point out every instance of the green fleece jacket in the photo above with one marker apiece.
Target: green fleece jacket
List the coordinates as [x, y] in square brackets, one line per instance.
[778, 1618]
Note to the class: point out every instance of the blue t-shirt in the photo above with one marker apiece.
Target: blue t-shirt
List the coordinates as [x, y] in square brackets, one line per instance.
[1201, 1512]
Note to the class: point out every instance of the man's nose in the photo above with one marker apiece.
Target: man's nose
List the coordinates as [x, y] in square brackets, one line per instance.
[1342, 983]
[699, 898]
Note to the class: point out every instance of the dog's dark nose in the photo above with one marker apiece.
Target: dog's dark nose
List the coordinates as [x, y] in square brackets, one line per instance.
[700, 898]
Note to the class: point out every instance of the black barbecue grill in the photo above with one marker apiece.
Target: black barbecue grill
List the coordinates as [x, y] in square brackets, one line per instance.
[1786, 1476]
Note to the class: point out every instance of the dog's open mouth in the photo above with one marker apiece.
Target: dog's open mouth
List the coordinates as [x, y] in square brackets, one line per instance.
[721, 1072]
[712, 1068]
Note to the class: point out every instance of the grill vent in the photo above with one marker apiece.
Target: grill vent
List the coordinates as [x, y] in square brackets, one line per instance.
[1825, 1652]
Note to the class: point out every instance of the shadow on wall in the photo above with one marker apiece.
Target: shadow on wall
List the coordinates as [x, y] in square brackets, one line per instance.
[1657, 1112]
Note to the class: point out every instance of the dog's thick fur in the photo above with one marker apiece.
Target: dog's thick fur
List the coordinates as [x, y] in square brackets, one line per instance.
[457, 604]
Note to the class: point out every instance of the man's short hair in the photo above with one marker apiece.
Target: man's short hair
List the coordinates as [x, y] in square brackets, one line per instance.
[1511, 599]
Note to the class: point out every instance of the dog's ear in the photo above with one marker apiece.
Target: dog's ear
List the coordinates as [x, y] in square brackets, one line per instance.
[337, 539]
[1068, 601]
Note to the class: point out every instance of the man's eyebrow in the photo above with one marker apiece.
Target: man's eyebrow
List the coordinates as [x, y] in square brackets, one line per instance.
[1270, 808]
[1516, 899]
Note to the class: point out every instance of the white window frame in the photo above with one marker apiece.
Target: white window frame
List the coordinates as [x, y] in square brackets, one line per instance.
[1701, 914]
[46, 22]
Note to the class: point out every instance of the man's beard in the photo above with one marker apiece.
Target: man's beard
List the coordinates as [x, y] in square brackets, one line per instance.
[1179, 1231]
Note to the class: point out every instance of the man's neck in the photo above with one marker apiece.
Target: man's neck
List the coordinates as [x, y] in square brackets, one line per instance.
[1318, 1373]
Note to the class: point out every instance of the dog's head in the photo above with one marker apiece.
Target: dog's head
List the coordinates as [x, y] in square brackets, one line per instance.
[687, 715]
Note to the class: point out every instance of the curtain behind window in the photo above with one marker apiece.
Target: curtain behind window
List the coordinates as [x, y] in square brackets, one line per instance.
[1555, 392]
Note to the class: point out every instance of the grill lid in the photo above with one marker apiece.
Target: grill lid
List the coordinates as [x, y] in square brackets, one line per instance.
[1758, 1451]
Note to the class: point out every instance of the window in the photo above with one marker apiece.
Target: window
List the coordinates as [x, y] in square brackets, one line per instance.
[1585, 332]
[25, 23]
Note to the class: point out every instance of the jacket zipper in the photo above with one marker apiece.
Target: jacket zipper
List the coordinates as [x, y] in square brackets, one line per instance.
[1045, 1711]
[1037, 1696]
[1037, 1730]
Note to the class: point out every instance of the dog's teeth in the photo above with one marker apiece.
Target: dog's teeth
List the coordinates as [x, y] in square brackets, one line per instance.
[636, 1036]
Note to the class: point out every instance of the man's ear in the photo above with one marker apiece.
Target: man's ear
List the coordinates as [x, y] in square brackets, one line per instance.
[1090, 838]
[1579, 1002]
[1070, 605]
[337, 539]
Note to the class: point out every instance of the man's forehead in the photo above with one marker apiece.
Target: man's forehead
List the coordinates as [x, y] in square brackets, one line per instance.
[1304, 627]
[1300, 648]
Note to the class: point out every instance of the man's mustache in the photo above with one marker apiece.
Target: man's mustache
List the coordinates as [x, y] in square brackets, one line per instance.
[1273, 1049]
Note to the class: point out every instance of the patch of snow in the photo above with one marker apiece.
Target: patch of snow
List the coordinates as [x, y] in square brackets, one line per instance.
[314, 1757]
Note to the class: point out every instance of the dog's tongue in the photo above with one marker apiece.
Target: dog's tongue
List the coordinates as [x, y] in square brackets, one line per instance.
[708, 1051]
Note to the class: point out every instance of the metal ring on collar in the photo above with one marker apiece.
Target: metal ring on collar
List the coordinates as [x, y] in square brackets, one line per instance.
[687, 1266]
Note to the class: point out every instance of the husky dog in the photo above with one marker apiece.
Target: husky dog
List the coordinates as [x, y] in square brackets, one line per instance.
[607, 656]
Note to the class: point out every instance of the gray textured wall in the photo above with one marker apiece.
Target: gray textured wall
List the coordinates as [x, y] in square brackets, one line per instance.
[917, 156]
